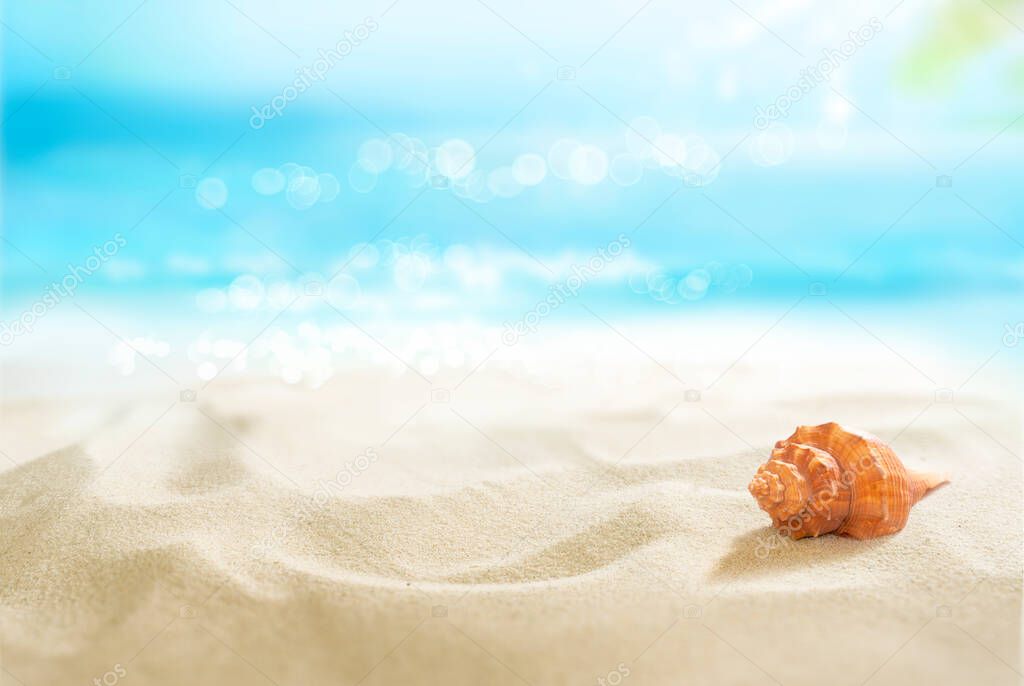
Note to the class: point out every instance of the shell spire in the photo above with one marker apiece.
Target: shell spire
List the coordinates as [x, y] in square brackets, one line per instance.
[923, 483]
[830, 479]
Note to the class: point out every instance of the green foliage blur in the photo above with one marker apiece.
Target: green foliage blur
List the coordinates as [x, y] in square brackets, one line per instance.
[962, 30]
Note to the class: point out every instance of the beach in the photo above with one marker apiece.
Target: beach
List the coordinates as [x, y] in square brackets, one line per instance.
[542, 518]
[405, 343]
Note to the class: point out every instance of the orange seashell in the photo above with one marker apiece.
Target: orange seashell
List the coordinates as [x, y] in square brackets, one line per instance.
[830, 479]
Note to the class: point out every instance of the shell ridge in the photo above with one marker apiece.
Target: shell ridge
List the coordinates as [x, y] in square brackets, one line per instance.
[831, 479]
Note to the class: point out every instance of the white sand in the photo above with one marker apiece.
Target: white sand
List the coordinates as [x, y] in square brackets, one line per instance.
[551, 524]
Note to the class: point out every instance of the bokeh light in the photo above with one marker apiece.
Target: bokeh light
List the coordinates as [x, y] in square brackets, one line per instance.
[211, 193]
[529, 169]
[268, 181]
[588, 165]
[559, 155]
[455, 158]
[376, 155]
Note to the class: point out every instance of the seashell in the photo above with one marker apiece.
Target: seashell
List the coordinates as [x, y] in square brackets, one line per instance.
[830, 479]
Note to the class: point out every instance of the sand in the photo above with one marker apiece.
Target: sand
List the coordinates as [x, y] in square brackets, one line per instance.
[543, 519]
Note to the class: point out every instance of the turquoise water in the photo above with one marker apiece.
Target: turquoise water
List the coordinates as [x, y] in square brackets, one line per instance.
[453, 170]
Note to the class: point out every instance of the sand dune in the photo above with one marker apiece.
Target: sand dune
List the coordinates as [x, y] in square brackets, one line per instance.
[239, 540]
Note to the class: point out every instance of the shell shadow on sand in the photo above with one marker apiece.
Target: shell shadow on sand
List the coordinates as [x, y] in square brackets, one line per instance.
[764, 551]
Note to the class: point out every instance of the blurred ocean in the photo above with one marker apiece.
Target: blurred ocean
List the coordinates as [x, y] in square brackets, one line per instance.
[221, 163]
